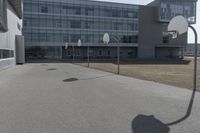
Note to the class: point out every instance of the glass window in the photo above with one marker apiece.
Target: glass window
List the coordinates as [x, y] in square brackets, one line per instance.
[5, 54]
[25, 23]
[75, 38]
[74, 10]
[42, 22]
[35, 7]
[49, 37]
[107, 13]
[57, 8]
[100, 52]
[69, 53]
[42, 37]
[64, 38]
[75, 24]
[64, 9]
[57, 37]
[57, 23]
[27, 37]
[168, 10]
[1, 56]
[108, 52]
[89, 11]
[116, 13]
[44, 9]
[117, 26]
[88, 24]
[50, 22]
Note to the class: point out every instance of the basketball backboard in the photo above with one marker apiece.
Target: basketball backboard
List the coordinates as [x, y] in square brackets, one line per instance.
[106, 38]
[66, 45]
[79, 42]
[177, 26]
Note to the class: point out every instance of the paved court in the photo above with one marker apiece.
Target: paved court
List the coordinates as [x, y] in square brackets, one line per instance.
[65, 98]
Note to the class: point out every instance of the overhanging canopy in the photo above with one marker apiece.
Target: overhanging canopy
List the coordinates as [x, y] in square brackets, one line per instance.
[17, 5]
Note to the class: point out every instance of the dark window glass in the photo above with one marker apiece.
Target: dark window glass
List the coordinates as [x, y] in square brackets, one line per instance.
[75, 38]
[116, 13]
[130, 39]
[74, 10]
[100, 53]
[68, 53]
[44, 9]
[6, 54]
[75, 24]
[165, 39]
[1, 56]
[89, 25]
[25, 23]
[89, 11]
[108, 52]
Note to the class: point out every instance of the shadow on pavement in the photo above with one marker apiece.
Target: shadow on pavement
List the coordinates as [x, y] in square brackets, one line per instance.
[51, 69]
[70, 80]
[148, 124]
[76, 79]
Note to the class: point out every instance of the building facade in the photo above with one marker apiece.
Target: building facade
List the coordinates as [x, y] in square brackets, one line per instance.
[50, 24]
[190, 50]
[10, 31]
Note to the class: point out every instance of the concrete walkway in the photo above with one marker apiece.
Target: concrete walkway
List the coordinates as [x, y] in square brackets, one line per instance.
[65, 98]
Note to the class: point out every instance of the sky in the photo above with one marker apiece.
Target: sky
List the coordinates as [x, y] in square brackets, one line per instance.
[144, 2]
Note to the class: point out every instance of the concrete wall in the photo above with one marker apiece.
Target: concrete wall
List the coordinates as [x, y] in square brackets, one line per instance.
[7, 39]
[167, 52]
[150, 32]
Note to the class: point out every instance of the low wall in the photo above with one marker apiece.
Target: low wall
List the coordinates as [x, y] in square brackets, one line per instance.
[5, 63]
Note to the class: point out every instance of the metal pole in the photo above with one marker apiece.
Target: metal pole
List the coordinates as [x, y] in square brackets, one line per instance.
[61, 53]
[118, 54]
[73, 53]
[88, 54]
[118, 58]
[195, 58]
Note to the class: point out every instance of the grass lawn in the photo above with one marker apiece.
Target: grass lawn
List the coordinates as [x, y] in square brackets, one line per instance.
[172, 72]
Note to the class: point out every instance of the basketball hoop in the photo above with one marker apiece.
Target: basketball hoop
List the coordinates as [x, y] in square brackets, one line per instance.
[174, 34]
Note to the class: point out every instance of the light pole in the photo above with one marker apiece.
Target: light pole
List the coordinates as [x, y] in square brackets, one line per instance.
[106, 40]
[177, 26]
[195, 58]
[73, 52]
[79, 43]
[66, 46]
[88, 55]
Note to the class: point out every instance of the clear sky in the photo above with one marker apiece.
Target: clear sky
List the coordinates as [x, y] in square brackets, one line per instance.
[144, 2]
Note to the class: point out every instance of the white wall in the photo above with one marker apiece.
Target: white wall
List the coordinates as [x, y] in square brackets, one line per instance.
[7, 39]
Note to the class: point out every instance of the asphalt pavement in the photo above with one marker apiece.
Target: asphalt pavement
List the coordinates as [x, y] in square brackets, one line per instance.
[66, 98]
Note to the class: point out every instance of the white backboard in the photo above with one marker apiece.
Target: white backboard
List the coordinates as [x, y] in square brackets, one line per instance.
[79, 42]
[66, 45]
[178, 24]
[106, 38]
